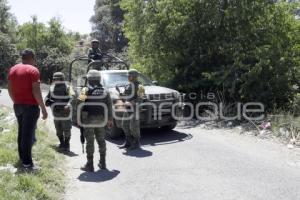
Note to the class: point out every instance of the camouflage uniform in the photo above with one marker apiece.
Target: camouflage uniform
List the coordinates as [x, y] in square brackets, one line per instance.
[133, 94]
[62, 94]
[63, 127]
[91, 134]
[91, 116]
[94, 53]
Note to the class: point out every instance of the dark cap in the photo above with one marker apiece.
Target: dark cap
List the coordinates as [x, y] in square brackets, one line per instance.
[27, 53]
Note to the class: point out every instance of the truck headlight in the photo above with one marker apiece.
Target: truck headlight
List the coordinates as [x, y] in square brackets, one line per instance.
[181, 97]
[176, 95]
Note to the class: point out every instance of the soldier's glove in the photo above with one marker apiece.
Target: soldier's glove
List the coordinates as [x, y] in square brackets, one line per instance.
[49, 102]
[67, 108]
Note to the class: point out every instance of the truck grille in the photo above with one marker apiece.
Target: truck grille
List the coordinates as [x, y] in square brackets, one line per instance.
[160, 97]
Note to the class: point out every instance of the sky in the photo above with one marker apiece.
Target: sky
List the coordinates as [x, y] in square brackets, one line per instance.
[74, 14]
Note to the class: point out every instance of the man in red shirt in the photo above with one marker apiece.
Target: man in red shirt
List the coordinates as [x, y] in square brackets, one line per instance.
[24, 90]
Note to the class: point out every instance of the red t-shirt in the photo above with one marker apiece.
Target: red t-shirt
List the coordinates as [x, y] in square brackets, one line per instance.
[21, 78]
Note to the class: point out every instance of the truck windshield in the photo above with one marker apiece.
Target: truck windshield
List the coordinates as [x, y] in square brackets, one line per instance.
[113, 79]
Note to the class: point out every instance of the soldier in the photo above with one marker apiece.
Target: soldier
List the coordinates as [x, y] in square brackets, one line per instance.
[61, 96]
[95, 53]
[134, 92]
[93, 116]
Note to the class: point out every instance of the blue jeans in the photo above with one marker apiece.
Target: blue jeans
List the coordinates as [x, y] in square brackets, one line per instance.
[27, 116]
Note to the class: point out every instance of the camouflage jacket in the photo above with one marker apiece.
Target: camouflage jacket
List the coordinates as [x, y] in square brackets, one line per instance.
[134, 92]
[62, 94]
[94, 54]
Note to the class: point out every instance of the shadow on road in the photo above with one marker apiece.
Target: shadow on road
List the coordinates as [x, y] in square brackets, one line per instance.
[66, 153]
[138, 153]
[99, 176]
[156, 137]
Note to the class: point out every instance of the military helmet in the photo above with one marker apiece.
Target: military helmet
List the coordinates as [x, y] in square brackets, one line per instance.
[95, 41]
[93, 75]
[58, 75]
[133, 73]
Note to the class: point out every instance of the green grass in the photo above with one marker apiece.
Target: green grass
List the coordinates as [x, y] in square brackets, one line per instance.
[48, 184]
[288, 123]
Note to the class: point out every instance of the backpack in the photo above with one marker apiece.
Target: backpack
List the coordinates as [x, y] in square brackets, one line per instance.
[59, 94]
[96, 94]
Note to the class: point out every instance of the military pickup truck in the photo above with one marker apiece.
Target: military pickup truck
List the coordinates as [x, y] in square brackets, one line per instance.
[161, 106]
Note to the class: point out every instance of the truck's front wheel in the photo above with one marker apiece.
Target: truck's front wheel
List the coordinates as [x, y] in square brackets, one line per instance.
[169, 127]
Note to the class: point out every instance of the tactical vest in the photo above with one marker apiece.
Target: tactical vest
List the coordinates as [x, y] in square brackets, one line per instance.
[95, 54]
[59, 93]
[96, 94]
[131, 91]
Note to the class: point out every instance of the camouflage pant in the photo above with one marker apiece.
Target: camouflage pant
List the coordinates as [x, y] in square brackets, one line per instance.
[131, 125]
[90, 133]
[63, 127]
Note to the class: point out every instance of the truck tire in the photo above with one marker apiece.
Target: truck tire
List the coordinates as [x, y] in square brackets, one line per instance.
[114, 132]
[169, 127]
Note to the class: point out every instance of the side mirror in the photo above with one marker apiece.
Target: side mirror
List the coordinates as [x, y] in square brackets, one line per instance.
[155, 82]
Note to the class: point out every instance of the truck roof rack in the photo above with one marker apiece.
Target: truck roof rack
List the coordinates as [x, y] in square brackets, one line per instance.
[105, 63]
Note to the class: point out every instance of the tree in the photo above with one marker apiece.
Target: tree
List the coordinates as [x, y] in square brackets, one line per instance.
[8, 56]
[51, 43]
[7, 20]
[240, 47]
[7, 38]
[107, 25]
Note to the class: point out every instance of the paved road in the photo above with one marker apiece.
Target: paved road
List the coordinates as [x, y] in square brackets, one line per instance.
[189, 163]
[4, 98]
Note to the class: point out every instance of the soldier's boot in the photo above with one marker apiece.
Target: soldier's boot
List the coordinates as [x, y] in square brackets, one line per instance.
[127, 143]
[89, 166]
[67, 144]
[61, 143]
[102, 162]
[135, 144]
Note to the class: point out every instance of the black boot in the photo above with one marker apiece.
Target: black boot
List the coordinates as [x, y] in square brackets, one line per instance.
[67, 144]
[127, 143]
[61, 143]
[89, 166]
[102, 162]
[135, 144]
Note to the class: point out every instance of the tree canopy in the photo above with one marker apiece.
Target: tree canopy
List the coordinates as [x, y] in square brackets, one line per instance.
[242, 48]
[51, 42]
[107, 25]
[8, 51]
